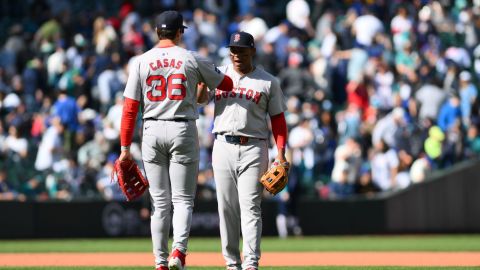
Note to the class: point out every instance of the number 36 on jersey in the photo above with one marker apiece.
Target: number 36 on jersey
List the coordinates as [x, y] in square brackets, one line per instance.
[171, 87]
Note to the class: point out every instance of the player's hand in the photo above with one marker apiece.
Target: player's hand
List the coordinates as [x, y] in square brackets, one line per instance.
[125, 155]
[281, 160]
[201, 86]
[202, 93]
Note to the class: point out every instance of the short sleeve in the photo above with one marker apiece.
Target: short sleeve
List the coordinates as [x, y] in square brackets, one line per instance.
[276, 102]
[133, 87]
[210, 74]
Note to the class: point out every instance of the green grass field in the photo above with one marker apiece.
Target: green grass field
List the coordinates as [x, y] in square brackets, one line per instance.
[221, 268]
[337, 243]
[449, 243]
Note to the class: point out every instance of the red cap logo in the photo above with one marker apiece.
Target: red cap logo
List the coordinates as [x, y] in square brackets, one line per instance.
[236, 38]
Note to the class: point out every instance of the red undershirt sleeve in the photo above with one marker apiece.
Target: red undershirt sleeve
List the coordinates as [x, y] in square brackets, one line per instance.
[129, 115]
[226, 84]
[279, 129]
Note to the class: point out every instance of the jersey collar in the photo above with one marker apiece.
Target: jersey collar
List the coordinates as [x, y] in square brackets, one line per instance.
[246, 74]
[165, 44]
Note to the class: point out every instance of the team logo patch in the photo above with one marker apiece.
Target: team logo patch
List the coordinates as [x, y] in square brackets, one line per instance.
[236, 38]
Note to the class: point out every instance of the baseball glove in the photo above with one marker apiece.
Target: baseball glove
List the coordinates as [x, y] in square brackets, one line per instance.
[276, 178]
[130, 179]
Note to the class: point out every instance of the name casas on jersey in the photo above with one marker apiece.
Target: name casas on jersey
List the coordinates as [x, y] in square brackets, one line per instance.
[165, 63]
[239, 92]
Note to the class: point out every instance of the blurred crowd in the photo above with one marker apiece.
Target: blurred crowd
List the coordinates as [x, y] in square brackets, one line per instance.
[379, 93]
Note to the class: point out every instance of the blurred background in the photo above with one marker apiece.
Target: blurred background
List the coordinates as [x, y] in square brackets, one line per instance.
[382, 96]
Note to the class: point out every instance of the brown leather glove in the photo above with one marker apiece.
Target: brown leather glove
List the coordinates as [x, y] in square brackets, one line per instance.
[276, 178]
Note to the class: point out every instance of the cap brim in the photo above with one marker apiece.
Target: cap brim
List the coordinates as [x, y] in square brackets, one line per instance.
[241, 46]
[181, 27]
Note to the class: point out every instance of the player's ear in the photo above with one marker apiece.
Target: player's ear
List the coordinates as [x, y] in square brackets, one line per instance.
[179, 33]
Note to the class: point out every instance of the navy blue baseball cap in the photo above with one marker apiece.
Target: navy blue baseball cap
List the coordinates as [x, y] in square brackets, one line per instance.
[241, 39]
[170, 19]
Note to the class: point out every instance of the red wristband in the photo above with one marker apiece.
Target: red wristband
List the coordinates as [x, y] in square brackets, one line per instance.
[226, 84]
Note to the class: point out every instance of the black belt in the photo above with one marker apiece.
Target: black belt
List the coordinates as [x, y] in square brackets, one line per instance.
[241, 140]
[174, 120]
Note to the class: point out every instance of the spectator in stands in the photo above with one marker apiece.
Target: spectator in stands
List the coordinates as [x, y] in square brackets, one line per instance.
[364, 184]
[296, 81]
[15, 145]
[472, 141]
[325, 143]
[434, 146]
[349, 122]
[385, 165]
[407, 61]
[301, 140]
[430, 97]
[66, 109]
[383, 84]
[401, 27]
[348, 159]
[388, 128]
[450, 113]
[104, 36]
[405, 160]
[50, 150]
[468, 96]
[7, 192]
[421, 168]
[109, 84]
[298, 14]
[365, 27]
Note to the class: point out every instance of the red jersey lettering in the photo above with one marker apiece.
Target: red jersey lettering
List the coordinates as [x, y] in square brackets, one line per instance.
[233, 93]
[152, 67]
[179, 64]
[249, 94]
[242, 90]
[257, 97]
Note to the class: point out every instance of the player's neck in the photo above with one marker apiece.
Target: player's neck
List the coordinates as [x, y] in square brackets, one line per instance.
[164, 43]
[245, 69]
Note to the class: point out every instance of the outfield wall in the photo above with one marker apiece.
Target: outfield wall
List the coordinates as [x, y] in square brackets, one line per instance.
[446, 203]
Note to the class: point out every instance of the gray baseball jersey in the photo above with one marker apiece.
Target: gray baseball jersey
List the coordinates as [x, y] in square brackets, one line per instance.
[242, 111]
[167, 78]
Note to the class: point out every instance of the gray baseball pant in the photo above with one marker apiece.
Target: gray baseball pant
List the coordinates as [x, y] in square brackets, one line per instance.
[237, 170]
[170, 155]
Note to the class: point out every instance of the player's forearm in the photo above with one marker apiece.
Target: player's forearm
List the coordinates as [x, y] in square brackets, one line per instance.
[129, 115]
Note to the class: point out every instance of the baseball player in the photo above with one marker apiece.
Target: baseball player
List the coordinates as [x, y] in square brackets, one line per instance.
[164, 80]
[240, 151]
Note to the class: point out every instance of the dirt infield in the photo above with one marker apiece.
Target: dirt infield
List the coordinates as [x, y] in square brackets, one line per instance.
[268, 259]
